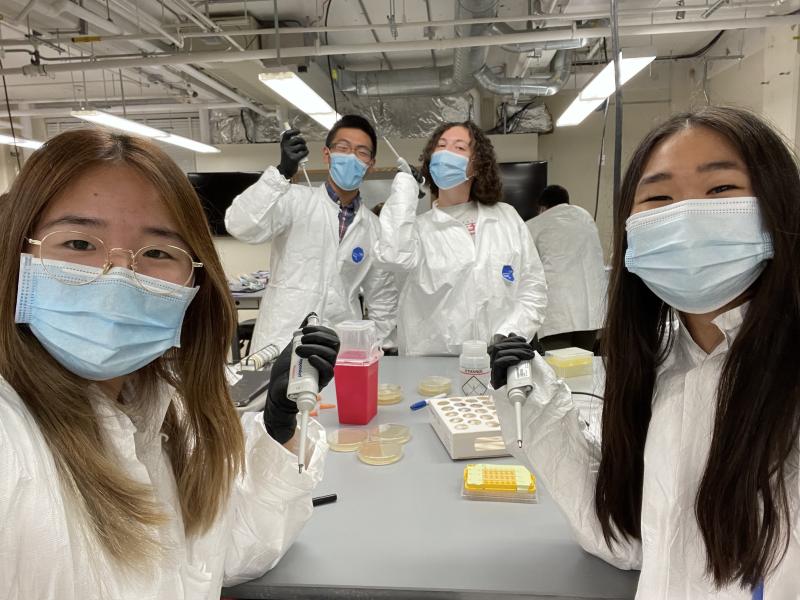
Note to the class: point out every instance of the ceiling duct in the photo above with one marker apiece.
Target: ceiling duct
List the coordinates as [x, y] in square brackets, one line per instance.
[505, 29]
[430, 81]
[528, 86]
[469, 66]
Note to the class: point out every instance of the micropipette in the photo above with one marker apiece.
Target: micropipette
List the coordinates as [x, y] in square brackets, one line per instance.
[303, 389]
[519, 384]
[303, 161]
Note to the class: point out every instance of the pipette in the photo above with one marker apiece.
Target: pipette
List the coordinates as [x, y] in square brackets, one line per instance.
[519, 384]
[287, 127]
[303, 389]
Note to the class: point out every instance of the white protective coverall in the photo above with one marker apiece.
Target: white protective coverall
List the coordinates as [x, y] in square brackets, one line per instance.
[568, 243]
[46, 551]
[310, 270]
[671, 555]
[456, 289]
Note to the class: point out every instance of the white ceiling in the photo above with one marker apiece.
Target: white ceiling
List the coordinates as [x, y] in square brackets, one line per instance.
[168, 85]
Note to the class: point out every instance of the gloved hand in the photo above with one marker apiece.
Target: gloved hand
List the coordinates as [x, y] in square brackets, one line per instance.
[404, 167]
[320, 345]
[293, 150]
[505, 352]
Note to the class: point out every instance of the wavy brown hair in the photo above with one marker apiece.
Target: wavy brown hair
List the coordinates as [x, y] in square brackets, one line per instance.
[742, 505]
[486, 185]
[206, 442]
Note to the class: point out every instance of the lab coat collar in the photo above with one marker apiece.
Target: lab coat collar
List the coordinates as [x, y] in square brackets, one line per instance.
[729, 323]
[143, 416]
[484, 214]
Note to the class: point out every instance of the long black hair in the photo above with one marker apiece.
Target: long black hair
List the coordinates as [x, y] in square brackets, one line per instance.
[741, 507]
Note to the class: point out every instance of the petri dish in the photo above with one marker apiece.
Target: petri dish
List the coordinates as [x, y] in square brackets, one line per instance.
[434, 385]
[390, 432]
[380, 453]
[347, 440]
[389, 393]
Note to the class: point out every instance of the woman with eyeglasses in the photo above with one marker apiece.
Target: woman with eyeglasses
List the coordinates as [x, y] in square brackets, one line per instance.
[125, 471]
[697, 479]
[471, 268]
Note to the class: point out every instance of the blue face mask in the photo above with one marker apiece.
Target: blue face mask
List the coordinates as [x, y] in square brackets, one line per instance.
[347, 171]
[448, 169]
[698, 255]
[103, 329]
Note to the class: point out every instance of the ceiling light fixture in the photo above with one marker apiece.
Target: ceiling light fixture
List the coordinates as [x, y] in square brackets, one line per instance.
[114, 122]
[297, 92]
[600, 88]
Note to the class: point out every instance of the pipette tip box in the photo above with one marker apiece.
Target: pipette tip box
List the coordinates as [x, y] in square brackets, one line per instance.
[467, 426]
[500, 483]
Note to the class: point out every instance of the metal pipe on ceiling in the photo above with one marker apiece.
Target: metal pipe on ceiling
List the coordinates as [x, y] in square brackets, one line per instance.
[541, 35]
[130, 110]
[516, 87]
[578, 16]
[65, 6]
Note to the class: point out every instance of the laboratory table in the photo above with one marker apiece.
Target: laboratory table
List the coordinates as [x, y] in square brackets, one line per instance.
[248, 300]
[404, 531]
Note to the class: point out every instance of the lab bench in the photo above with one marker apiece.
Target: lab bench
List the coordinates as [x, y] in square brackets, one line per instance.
[403, 531]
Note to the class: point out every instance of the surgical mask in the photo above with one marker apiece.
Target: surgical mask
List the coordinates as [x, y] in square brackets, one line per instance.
[698, 255]
[104, 328]
[347, 171]
[448, 169]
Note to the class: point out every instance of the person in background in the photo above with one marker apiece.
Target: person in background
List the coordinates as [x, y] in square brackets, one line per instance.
[471, 269]
[322, 238]
[698, 481]
[125, 471]
[568, 243]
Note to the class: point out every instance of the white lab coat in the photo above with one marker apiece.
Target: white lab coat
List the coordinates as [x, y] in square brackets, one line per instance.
[568, 243]
[454, 289]
[671, 555]
[310, 270]
[46, 553]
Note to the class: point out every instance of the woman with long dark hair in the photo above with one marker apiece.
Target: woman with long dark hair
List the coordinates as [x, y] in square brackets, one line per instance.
[696, 479]
[470, 268]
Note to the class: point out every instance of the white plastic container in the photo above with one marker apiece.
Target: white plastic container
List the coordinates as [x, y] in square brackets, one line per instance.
[473, 366]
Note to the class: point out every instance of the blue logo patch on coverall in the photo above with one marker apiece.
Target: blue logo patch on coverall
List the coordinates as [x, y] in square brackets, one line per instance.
[508, 273]
[358, 254]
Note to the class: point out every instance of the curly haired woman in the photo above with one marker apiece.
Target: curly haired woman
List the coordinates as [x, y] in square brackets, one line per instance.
[471, 268]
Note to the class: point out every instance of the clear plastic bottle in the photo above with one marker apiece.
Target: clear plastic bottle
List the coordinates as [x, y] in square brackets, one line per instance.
[473, 365]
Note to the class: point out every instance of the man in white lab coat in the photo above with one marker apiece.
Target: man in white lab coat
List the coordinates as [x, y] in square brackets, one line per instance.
[322, 238]
[568, 243]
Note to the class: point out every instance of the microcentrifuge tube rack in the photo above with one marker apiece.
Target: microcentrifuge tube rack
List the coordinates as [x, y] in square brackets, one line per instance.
[467, 426]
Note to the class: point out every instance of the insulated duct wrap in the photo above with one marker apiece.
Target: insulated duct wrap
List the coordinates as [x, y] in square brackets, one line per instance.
[415, 117]
[516, 87]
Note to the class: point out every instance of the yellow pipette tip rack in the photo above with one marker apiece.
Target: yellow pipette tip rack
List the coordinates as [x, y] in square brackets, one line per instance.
[503, 483]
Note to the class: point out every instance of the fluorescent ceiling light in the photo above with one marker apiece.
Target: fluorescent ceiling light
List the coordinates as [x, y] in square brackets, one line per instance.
[30, 144]
[600, 88]
[177, 140]
[296, 91]
[115, 122]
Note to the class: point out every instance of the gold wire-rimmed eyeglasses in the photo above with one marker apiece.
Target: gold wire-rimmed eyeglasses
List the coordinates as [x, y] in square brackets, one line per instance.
[160, 262]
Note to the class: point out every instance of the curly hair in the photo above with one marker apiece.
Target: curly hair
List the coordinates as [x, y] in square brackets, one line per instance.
[486, 185]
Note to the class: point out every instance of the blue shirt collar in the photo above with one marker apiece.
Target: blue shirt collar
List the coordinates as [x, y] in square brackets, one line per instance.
[355, 205]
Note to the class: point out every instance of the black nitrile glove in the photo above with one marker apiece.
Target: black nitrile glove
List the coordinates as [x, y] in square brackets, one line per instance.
[293, 150]
[506, 352]
[320, 345]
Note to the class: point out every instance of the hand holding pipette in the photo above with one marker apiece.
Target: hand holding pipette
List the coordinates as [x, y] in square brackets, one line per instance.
[294, 152]
[511, 360]
[304, 366]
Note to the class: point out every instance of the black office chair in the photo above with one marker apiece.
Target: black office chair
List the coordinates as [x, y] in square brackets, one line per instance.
[242, 340]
